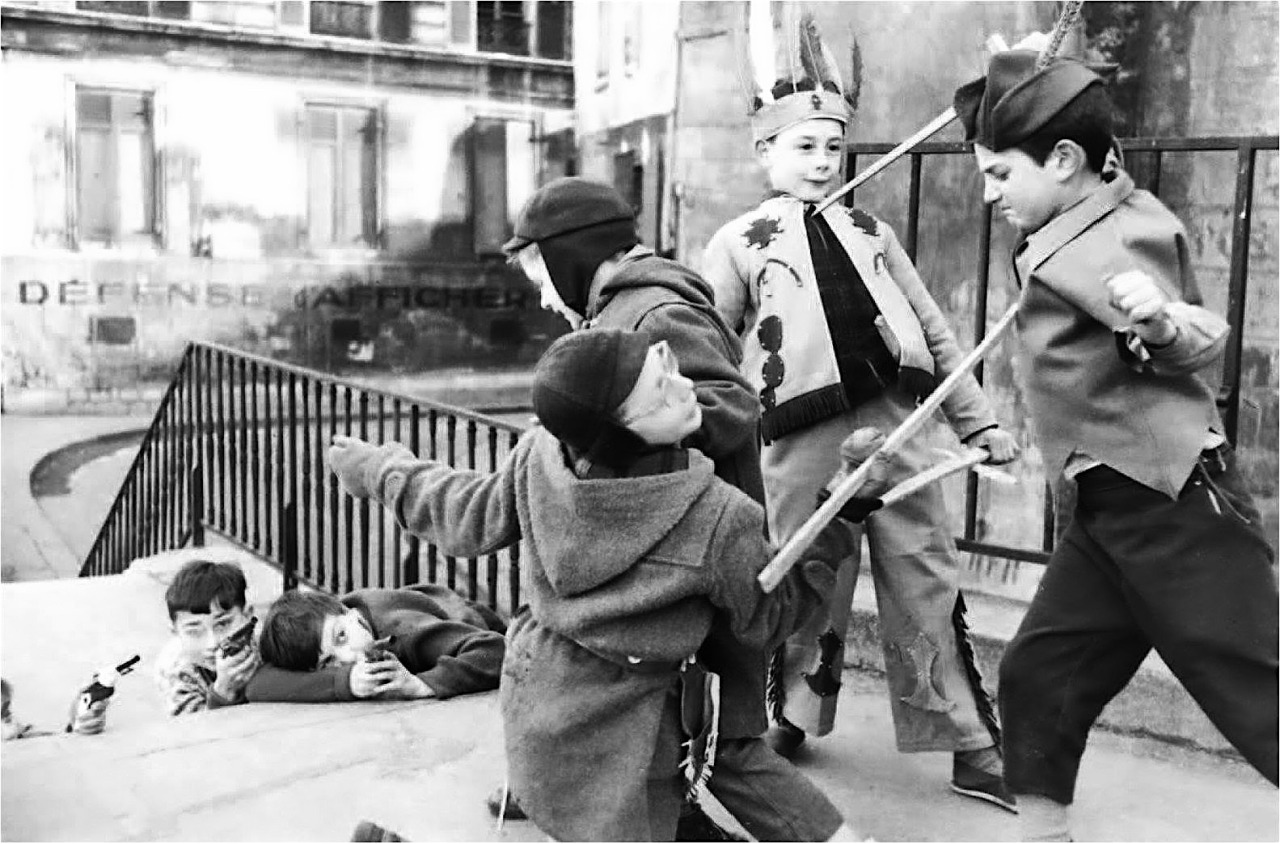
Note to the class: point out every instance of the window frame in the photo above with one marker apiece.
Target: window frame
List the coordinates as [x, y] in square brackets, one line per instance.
[536, 122]
[152, 238]
[377, 108]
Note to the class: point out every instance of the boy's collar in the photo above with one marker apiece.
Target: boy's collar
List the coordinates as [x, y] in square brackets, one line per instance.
[1039, 246]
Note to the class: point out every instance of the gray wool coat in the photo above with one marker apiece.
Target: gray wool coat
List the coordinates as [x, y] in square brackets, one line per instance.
[627, 576]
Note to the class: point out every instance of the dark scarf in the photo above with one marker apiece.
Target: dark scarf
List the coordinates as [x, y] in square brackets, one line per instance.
[866, 366]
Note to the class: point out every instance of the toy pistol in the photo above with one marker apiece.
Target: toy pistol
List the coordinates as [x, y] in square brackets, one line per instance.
[103, 686]
[238, 640]
[381, 649]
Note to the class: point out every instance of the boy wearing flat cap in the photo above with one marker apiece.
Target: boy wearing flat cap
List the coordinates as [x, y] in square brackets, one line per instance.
[841, 333]
[636, 552]
[576, 239]
[1165, 548]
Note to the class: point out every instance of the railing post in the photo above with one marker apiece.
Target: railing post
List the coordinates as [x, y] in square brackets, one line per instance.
[197, 506]
[289, 545]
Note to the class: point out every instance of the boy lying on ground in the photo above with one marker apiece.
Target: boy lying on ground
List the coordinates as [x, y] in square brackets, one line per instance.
[318, 648]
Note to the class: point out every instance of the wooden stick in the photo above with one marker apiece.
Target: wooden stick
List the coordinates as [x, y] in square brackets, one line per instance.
[964, 460]
[771, 575]
[931, 128]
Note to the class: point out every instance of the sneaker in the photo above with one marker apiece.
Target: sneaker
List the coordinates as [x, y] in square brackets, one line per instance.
[972, 782]
[370, 831]
[784, 738]
[513, 812]
[696, 825]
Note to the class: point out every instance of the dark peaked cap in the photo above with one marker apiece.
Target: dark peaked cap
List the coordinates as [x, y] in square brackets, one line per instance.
[1013, 100]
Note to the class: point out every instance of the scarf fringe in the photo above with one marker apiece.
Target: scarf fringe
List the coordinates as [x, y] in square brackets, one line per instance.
[981, 697]
[803, 411]
[775, 691]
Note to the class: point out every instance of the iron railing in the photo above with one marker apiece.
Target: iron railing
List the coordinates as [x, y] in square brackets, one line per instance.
[237, 447]
[1153, 150]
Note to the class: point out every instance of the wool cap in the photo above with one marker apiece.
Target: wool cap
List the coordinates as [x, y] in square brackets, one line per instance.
[567, 205]
[581, 381]
[1014, 100]
[787, 111]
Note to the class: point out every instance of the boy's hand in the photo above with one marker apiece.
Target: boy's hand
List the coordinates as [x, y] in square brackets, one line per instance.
[1138, 296]
[234, 672]
[92, 719]
[1002, 445]
[347, 458]
[398, 683]
[366, 680]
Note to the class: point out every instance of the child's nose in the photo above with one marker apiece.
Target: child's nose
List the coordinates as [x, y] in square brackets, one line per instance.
[990, 193]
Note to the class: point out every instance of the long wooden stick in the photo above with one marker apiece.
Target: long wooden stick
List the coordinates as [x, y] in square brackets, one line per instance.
[777, 568]
[931, 128]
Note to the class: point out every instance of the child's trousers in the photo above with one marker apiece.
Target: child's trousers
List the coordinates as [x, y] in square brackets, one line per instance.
[1194, 578]
[934, 689]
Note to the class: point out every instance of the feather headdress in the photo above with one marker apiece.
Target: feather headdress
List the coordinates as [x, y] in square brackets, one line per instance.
[794, 75]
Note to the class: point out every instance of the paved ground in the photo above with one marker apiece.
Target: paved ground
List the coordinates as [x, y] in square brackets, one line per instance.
[310, 773]
[295, 772]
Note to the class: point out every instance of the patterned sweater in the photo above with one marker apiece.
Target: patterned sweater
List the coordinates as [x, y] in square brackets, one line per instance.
[188, 687]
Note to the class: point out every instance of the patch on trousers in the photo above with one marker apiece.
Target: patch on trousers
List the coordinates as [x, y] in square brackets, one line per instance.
[825, 679]
[920, 655]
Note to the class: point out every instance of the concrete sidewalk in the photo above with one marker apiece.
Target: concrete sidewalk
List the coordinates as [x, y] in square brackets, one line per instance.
[281, 772]
[32, 545]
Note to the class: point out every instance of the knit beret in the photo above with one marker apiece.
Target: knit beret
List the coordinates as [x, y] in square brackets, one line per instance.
[566, 205]
[1014, 100]
[583, 378]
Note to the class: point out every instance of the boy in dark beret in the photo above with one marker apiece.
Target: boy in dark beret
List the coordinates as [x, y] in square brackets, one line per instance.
[635, 553]
[1165, 548]
[576, 239]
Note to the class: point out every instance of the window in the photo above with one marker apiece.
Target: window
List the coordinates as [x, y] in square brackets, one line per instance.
[115, 166]
[554, 25]
[628, 178]
[341, 176]
[604, 33]
[349, 18]
[250, 14]
[503, 177]
[139, 8]
[631, 40]
[501, 27]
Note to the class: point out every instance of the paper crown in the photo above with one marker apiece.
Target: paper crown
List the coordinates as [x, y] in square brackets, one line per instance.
[794, 77]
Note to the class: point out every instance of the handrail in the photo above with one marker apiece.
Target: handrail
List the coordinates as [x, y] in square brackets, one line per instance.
[237, 449]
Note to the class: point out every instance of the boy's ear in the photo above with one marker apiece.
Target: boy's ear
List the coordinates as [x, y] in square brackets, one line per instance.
[1069, 158]
[762, 151]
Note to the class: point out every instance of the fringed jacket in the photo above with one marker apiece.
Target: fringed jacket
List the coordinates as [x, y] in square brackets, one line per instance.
[761, 270]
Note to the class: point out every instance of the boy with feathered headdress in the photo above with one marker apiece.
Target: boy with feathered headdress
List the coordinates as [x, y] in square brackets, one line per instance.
[839, 332]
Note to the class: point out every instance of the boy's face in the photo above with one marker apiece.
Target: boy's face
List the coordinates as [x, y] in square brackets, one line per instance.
[804, 160]
[1028, 194]
[344, 638]
[662, 408]
[531, 263]
[200, 633]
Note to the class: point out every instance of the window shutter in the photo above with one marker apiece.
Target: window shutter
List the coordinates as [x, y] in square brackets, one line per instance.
[462, 23]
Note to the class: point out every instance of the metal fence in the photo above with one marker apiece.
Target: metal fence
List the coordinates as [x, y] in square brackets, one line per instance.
[237, 447]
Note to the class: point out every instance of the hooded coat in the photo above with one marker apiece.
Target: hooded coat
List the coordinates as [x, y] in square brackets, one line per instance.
[673, 303]
[626, 578]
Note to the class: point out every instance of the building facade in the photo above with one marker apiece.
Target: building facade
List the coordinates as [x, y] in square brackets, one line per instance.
[325, 182]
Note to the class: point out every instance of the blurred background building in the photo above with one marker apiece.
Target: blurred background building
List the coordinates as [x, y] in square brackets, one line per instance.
[324, 182]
